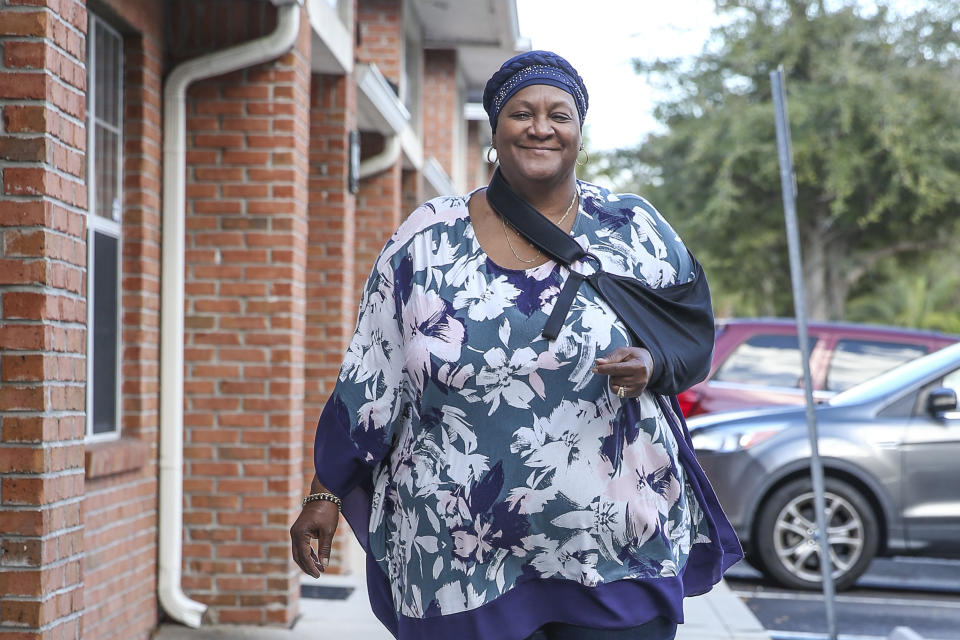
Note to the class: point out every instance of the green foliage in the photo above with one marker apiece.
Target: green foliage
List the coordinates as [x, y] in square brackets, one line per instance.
[874, 106]
[925, 295]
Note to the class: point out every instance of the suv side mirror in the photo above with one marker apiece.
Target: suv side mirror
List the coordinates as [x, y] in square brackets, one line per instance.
[942, 400]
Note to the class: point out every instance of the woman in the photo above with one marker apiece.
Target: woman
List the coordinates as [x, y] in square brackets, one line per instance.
[504, 485]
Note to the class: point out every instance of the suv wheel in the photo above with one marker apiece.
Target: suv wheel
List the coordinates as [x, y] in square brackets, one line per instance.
[786, 534]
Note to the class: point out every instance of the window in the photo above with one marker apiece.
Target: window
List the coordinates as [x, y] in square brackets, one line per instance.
[104, 182]
[855, 361]
[765, 360]
[952, 381]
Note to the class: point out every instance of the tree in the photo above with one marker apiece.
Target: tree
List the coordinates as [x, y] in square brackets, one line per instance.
[926, 295]
[874, 105]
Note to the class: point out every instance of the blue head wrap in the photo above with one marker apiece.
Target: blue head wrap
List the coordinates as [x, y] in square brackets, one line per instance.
[533, 67]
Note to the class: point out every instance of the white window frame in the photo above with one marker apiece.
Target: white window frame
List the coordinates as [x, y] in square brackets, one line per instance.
[100, 224]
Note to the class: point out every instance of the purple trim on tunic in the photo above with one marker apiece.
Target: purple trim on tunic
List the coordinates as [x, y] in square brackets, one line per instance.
[528, 605]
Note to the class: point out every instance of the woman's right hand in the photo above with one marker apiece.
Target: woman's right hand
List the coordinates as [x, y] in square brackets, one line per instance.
[318, 520]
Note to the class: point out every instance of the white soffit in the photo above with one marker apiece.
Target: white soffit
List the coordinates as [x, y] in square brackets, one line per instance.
[485, 33]
[331, 48]
[378, 107]
[474, 111]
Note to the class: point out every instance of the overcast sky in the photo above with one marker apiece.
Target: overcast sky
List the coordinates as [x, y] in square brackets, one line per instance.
[600, 37]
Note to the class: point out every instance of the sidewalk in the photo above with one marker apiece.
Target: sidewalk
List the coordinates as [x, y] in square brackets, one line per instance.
[718, 615]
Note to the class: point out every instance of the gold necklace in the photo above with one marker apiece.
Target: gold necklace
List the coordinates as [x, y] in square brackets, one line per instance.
[506, 235]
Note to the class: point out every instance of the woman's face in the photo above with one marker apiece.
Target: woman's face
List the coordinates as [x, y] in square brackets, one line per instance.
[538, 134]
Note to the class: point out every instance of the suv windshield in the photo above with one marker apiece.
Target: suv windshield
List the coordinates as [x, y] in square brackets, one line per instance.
[898, 378]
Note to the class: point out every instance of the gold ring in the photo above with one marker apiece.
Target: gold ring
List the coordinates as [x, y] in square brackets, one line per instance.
[620, 392]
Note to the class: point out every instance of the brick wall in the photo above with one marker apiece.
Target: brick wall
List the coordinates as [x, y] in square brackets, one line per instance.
[440, 106]
[331, 284]
[245, 323]
[42, 318]
[380, 25]
[380, 36]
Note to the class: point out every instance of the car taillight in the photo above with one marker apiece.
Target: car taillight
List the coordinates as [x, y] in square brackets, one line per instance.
[689, 403]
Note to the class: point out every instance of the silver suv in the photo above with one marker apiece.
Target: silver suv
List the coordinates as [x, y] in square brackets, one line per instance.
[890, 448]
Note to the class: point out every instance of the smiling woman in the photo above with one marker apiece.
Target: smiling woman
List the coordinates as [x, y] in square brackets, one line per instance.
[506, 483]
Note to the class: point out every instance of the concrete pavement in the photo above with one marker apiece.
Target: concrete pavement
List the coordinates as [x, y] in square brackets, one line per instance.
[718, 615]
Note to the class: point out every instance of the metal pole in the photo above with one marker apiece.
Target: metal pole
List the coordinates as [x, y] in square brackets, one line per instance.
[788, 186]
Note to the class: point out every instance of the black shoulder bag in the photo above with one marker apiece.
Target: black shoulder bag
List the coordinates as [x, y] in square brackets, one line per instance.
[675, 324]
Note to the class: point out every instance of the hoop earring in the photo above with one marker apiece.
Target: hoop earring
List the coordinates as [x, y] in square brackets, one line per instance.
[494, 160]
[580, 164]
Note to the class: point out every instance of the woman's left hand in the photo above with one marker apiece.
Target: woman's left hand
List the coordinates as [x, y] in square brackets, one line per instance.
[629, 368]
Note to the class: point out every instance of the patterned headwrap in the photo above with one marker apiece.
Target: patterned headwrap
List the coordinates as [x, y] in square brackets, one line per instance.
[533, 67]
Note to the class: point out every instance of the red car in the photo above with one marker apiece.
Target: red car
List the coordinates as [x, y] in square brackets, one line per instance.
[756, 362]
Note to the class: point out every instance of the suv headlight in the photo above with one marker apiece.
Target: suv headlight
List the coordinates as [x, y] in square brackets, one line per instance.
[728, 440]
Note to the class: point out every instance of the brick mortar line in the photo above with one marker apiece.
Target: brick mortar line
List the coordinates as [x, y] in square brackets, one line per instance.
[46, 445]
[41, 198]
[47, 414]
[125, 610]
[47, 10]
[135, 621]
[39, 227]
[50, 74]
[27, 288]
[49, 166]
[44, 323]
[35, 102]
[145, 531]
[76, 615]
[53, 535]
[47, 384]
[65, 473]
[49, 41]
[45, 538]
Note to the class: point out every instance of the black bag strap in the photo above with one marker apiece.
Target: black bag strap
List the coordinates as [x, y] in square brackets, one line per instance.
[675, 324]
[530, 223]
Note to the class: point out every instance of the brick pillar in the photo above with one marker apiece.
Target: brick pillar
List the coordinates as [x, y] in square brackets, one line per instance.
[440, 106]
[245, 323]
[379, 211]
[379, 205]
[331, 285]
[43, 201]
[380, 26]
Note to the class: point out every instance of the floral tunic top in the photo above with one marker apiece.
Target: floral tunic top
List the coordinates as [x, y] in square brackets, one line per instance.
[495, 482]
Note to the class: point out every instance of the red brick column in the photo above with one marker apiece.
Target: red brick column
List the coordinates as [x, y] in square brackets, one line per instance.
[379, 211]
[43, 202]
[245, 323]
[331, 286]
[440, 106]
[380, 24]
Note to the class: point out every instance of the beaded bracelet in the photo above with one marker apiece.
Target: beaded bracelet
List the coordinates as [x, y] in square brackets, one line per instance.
[329, 497]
